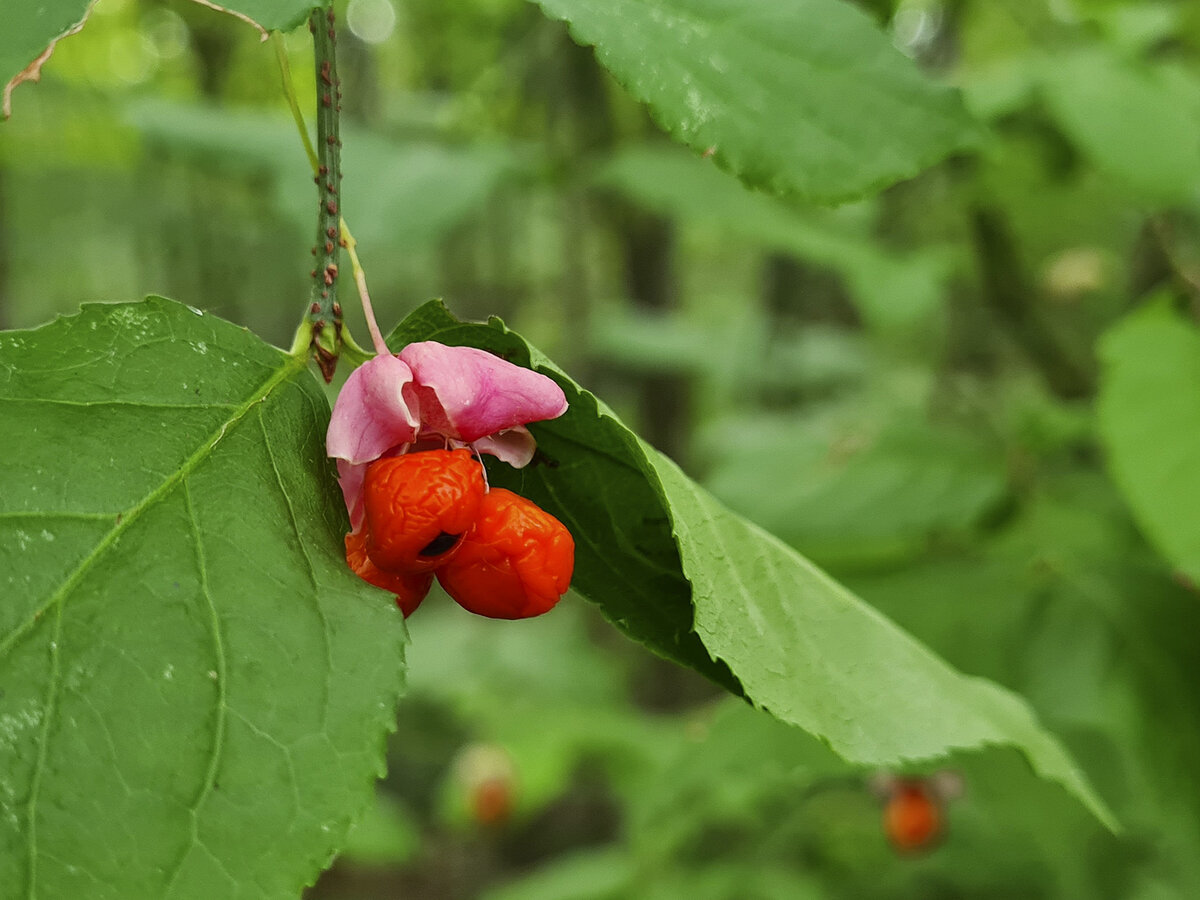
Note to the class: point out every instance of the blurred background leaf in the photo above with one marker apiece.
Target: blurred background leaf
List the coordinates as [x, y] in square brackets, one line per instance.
[1150, 422]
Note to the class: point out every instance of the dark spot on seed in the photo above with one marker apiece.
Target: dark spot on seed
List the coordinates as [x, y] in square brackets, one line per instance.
[443, 543]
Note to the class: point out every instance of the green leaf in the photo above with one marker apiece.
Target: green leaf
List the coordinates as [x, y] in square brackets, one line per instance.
[801, 97]
[813, 654]
[31, 29]
[1139, 123]
[268, 15]
[408, 194]
[888, 288]
[588, 463]
[1149, 409]
[857, 490]
[194, 690]
[672, 567]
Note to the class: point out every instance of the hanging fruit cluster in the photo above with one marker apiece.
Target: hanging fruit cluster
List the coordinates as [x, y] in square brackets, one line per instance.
[430, 513]
[419, 513]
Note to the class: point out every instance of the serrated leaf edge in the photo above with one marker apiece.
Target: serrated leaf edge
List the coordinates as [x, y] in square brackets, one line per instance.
[33, 71]
[761, 177]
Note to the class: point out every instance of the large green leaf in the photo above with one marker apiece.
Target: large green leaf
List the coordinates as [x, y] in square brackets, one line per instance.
[194, 690]
[1150, 422]
[796, 96]
[675, 569]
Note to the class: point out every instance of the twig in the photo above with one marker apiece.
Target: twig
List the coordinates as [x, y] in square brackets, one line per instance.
[1011, 298]
[324, 311]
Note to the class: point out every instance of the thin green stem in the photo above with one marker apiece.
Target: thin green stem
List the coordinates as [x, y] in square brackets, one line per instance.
[1007, 292]
[360, 281]
[289, 92]
[313, 329]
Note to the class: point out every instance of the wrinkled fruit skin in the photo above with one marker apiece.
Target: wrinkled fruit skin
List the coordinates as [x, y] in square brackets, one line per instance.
[417, 507]
[516, 563]
[410, 590]
[912, 818]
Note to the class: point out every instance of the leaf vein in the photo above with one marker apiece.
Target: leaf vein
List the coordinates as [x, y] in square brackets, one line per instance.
[39, 766]
[260, 394]
[137, 404]
[312, 574]
[222, 707]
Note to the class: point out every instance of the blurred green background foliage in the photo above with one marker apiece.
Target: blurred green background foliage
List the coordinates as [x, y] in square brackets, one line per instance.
[904, 388]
